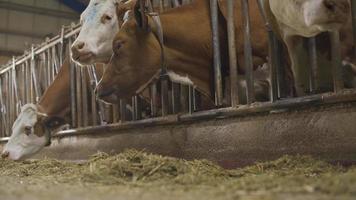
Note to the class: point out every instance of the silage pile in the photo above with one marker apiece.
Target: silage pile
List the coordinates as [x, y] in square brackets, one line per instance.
[287, 174]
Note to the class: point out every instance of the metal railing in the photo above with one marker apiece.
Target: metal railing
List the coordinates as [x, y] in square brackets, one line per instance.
[26, 78]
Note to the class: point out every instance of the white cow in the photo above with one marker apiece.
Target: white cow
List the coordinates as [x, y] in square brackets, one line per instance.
[99, 26]
[25, 140]
[295, 19]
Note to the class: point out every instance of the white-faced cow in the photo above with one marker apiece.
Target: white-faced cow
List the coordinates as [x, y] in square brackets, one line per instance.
[35, 121]
[99, 26]
[295, 19]
[187, 45]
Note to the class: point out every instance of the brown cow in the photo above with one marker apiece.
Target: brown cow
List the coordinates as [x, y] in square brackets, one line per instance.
[28, 131]
[187, 46]
[293, 20]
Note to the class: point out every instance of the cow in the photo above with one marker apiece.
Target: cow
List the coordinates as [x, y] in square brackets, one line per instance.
[294, 20]
[187, 45]
[29, 130]
[99, 24]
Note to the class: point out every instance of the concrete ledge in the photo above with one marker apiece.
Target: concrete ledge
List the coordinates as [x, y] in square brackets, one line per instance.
[326, 132]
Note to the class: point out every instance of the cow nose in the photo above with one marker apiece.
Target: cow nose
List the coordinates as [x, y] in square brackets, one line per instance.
[5, 154]
[330, 5]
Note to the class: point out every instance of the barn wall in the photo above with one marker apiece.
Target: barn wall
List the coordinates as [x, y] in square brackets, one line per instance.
[20, 27]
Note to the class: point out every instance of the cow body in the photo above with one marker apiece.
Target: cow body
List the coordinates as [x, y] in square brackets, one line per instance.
[187, 45]
[294, 20]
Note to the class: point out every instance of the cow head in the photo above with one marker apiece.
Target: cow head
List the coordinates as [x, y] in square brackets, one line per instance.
[99, 26]
[135, 60]
[310, 17]
[28, 134]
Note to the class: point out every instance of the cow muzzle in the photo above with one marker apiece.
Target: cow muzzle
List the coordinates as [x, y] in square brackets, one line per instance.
[5, 154]
[81, 53]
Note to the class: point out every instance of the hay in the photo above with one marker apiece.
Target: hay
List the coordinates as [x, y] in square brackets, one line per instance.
[289, 174]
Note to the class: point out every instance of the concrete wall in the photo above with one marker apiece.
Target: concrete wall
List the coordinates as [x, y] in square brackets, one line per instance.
[19, 29]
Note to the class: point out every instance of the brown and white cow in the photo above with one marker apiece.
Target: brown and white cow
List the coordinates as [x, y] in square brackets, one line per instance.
[187, 46]
[28, 131]
[294, 20]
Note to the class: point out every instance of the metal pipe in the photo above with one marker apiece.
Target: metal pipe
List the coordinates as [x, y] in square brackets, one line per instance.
[92, 93]
[85, 106]
[154, 106]
[184, 98]
[353, 11]
[232, 53]
[73, 106]
[123, 110]
[248, 52]
[313, 65]
[164, 96]
[175, 98]
[217, 56]
[78, 95]
[336, 61]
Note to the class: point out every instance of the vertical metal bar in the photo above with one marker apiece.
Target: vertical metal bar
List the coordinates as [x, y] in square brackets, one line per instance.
[133, 105]
[353, 11]
[175, 98]
[3, 111]
[190, 100]
[73, 106]
[248, 52]
[84, 96]
[123, 110]
[8, 103]
[164, 96]
[184, 98]
[34, 76]
[79, 96]
[313, 65]
[115, 113]
[138, 107]
[28, 82]
[217, 56]
[154, 106]
[91, 72]
[336, 61]
[232, 53]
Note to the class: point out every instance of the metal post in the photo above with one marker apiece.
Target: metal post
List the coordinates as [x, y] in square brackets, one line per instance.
[248, 52]
[353, 11]
[232, 53]
[313, 65]
[123, 110]
[79, 96]
[164, 96]
[217, 56]
[73, 106]
[175, 98]
[336, 61]
[184, 98]
[84, 97]
[153, 93]
[91, 71]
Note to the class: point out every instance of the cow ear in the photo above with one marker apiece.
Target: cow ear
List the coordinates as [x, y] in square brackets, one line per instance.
[122, 8]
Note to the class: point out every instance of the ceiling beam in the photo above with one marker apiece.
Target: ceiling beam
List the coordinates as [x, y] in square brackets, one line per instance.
[37, 10]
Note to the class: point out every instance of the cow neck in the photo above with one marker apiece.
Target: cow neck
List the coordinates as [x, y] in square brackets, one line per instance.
[180, 66]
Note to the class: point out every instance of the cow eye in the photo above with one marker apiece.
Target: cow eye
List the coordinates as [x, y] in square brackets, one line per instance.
[95, 4]
[28, 130]
[105, 18]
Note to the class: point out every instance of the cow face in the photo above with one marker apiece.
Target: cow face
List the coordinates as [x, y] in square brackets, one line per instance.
[310, 17]
[27, 134]
[99, 26]
[135, 60]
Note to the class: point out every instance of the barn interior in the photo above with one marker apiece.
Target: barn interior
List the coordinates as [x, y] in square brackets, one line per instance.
[252, 135]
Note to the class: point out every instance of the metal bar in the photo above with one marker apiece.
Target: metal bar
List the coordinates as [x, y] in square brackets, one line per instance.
[78, 95]
[164, 96]
[232, 53]
[175, 98]
[92, 93]
[184, 98]
[138, 107]
[115, 113]
[313, 65]
[248, 52]
[34, 78]
[154, 106]
[217, 56]
[84, 97]
[73, 106]
[123, 110]
[353, 11]
[336, 61]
